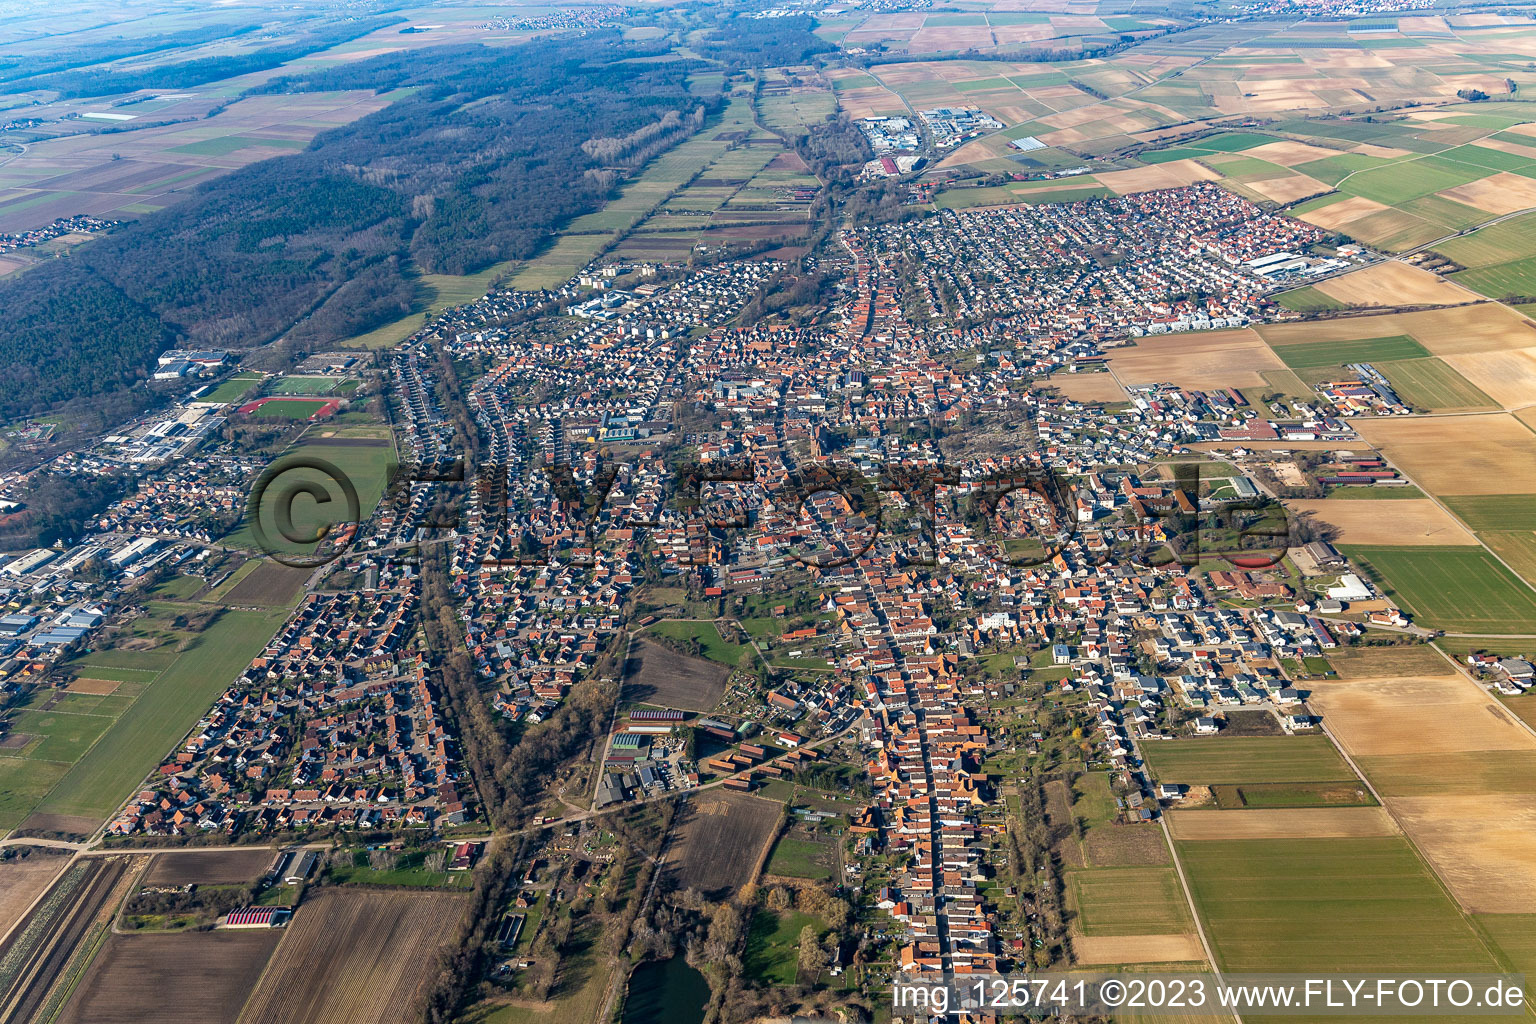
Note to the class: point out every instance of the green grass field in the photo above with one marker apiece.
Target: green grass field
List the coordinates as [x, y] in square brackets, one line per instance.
[305, 385]
[1494, 511]
[1432, 384]
[1246, 759]
[1458, 589]
[1309, 300]
[1403, 182]
[713, 645]
[1294, 794]
[170, 704]
[1508, 240]
[368, 467]
[1310, 356]
[800, 858]
[773, 945]
[289, 409]
[1515, 937]
[1128, 901]
[1327, 904]
[1515, 279]
[234, 389]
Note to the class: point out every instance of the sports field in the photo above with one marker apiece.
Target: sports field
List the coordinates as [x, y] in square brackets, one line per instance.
[233, 389]
[1458, 589]
[1346, 904]
[1237, 759]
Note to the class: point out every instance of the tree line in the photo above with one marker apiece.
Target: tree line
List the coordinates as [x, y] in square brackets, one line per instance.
[479, 165]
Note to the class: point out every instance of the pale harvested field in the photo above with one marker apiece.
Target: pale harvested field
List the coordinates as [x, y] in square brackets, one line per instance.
[1203, 359]
[1505, 146]
[1498, 193]
[1336, 215]
[1384, 152]
[1287, 189]
[95, 687]
[1283, 823]
[1144, 179]
[1507, 377]
[1088, 387]
[1416, 715]
[1482, 847]
[951, 37]
[873, 102]
[1289, 154]
[1135, 949]
[1482, 844]
[1413, 522]
[1395, 284]
[1486, 327]
[22, 879]
[1487, 453]
[354, 956]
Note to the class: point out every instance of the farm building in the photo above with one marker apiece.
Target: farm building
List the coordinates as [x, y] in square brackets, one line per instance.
[258, 917]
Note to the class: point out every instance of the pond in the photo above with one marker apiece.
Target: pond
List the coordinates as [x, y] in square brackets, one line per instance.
[666, 992]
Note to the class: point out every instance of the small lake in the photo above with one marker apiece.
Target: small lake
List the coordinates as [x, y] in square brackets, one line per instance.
[666, 992]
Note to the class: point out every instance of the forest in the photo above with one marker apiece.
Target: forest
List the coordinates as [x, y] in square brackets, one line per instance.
[475, 167]
[186, 74]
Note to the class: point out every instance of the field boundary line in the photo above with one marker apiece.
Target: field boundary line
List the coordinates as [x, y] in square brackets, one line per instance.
[1194, 911]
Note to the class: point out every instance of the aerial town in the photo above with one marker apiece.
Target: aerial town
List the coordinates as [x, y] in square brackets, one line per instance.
[920, 546]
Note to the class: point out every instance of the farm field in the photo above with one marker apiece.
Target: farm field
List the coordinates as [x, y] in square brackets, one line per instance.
[1507, 376]
[1245, 759]
[175, 692]
[1128, 901]
[23, 878]
[1281, 823]
[1485, 327]
[1454, 766]
[1518, 549]
[1352, 904]
[1308, 356]
[367, 464]
[1202, 359]
[658, 675]
[1433, 386]
[225, 867]
[1392, 283]
[340, 958]
[128, 978]
[1459, 589]
[272, 584]
[719, 840]
[1292, 794]
[1087, 387]
[150, 167]
[1493, 512]
[1457, 455]
[1413, 522]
